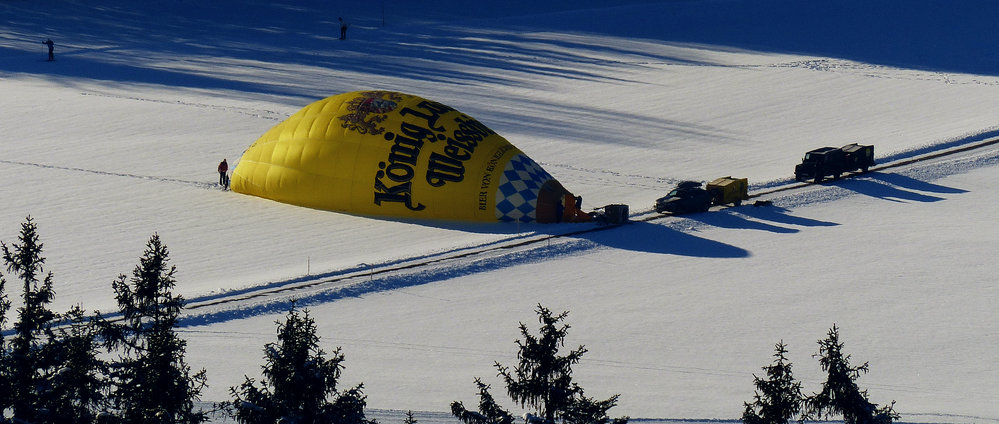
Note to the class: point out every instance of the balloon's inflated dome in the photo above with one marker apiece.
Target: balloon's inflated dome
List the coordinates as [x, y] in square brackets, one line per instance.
[391, 154]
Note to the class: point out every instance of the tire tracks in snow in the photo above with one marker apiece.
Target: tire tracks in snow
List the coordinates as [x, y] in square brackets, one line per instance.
[277, 297]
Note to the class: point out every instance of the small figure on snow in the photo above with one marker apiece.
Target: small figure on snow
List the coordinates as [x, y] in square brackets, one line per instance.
[48, 42]
[223, 174]
[343, 28]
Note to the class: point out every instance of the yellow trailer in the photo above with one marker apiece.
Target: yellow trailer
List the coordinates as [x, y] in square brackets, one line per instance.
[729, 190]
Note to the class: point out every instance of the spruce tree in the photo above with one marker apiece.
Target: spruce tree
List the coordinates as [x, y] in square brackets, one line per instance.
[5, 387]
[542, 380]
[779, 397]
[489, 411]
[840, 393]
[584, 410]
[78, 383]
[300, 382]
[49, 374]
[153, 384]
[31, 358]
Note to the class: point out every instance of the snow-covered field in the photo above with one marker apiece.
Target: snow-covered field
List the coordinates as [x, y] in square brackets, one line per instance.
[119, 137]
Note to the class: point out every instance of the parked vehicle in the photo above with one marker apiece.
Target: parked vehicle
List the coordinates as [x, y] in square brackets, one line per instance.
[729, 190]
[830, 161]
[686, 197]
[610, 214]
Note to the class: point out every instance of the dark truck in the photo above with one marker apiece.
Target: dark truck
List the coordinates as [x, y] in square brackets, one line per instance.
[830, 161]
[687, 197]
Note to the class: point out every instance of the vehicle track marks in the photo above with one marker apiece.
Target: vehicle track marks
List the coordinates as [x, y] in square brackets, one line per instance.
[517, 249]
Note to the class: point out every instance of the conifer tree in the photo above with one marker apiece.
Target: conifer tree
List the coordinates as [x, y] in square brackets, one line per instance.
[31, 357]
[584, 410]
[542, 380]
[153, 383]
[840, 393]
[779, 397]
[300, 382]
[78, 383]
[5, 387]
[489, 411]
[50, 375]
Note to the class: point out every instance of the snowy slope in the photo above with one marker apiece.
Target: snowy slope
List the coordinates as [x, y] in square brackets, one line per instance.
[118, 139]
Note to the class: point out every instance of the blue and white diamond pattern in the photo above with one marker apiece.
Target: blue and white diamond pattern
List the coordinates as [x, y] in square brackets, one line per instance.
[517, 195]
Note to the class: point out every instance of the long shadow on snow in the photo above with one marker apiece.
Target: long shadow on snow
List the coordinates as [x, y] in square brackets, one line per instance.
[382, 283]
[638, 236]
[924, 34]
[290, 36]
[73, 66]
[913, 184]
[782, 216]
[735, 218]
[151, 43]
[654, 238]
[883, 188]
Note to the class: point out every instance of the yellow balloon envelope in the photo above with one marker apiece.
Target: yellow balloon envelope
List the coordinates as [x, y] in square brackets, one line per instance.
[397, 155]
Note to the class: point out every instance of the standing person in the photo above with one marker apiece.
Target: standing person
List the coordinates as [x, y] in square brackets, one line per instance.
[343, 28]
[223, 178]
[48, 42]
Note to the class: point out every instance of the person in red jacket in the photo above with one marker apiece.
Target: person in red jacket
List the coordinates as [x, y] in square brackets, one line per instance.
[223, 178]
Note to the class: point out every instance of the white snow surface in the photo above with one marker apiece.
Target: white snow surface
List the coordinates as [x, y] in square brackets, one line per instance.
[119, 137]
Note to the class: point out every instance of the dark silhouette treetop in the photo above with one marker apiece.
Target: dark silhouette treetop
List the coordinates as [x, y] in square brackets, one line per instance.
[541, 380]
[300, 382]
[778, 398]
[26, 260]
[840, 393]
[152, 379]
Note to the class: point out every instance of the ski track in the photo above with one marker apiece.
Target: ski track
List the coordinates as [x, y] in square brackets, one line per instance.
[358, 284]
[198, 184]
[256, 113]
[842, 66]
[275, 297]
[787, 194]
[614, 178]
[837, 66]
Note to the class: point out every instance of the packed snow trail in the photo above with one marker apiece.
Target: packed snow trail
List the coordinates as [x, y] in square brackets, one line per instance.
[198, 184]
[508, 251]
[276, 297]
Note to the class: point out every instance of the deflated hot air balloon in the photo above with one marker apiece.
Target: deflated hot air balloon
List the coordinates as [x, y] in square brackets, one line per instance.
[391, 154]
